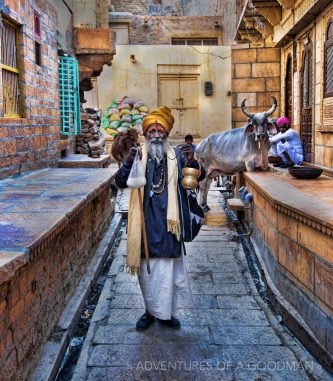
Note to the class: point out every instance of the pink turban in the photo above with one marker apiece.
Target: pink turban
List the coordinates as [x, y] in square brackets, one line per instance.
[283, 120]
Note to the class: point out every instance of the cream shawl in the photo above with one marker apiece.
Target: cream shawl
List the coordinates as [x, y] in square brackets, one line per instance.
[134, 229]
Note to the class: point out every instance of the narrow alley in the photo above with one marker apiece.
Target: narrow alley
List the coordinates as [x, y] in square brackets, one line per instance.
[229, 334]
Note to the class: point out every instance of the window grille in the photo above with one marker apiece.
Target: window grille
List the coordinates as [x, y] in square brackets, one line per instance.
[328, 67]
[195, 41]
[69, 96]
[9, 71]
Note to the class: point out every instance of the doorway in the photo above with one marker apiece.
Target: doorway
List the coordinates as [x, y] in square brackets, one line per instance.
[306, 101]
[289, 91]
[181, 94]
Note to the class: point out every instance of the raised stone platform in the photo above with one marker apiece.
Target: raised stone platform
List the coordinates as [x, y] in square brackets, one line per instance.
[293, 228]
[84, 161]
[51, 222]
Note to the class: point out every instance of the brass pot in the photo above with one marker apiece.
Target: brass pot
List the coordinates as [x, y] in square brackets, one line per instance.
[190, 177]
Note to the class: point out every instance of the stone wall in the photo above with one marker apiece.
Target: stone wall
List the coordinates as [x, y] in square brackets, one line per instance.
[33, 140]
[322, 116]
[297, 250]
[173, 18]
[160, 30]
[255, 76]
[33, 297]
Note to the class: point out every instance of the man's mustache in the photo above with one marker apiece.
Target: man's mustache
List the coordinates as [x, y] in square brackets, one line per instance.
[156, 140]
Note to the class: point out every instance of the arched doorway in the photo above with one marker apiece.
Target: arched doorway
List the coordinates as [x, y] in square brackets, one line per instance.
[306, 101]
[288, 99]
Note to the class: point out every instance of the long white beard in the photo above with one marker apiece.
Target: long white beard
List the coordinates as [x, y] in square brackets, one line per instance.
[157, 150]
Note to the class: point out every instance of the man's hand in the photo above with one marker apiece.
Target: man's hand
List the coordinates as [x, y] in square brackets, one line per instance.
[131, 155]
[186, 150]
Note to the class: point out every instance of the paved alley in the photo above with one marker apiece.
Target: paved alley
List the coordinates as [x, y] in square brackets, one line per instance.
[229, 334]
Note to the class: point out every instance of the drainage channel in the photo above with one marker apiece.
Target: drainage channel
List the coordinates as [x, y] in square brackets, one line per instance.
[73, 351]
[249, 251]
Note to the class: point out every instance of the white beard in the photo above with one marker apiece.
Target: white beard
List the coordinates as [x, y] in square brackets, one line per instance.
[156, 150]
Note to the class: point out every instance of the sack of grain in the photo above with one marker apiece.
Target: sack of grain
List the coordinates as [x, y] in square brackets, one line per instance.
[128, 100]
[124, 111]
[125, 124]
[126, 118]
[115, 124]
[138, 104]
[124, 105]
[111, 131]
[136, 117]
[143, 108]
[114, 117]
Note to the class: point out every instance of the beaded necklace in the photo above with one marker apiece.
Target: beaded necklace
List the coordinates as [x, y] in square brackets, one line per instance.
[160, 186]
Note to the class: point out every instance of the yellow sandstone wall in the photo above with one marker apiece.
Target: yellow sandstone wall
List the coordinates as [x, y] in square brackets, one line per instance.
[298, 254]
[140, 79]
[255, 76]
[322, 128]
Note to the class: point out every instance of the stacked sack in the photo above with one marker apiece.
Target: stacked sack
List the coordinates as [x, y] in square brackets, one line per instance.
[123, 115]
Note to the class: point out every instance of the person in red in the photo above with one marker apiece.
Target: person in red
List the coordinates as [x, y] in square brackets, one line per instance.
[167, 220]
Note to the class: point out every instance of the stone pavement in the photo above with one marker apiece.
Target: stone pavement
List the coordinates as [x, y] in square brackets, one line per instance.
[229, 334]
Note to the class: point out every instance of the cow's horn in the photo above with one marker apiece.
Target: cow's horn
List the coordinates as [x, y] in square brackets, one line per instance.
[245, 110]
[273, 108]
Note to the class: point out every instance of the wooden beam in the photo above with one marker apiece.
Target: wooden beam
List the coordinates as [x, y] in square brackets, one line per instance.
[263, 27]
[273, 14]
[251, 35]
[288, 4]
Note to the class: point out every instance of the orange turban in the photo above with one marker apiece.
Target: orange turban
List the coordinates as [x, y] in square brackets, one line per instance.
[162, 116]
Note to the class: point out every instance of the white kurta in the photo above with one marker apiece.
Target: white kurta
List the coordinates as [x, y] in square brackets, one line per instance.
[166, 288]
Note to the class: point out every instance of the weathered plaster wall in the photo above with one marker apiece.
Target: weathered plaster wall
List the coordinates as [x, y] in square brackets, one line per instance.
[65, 25]
[192, 17]
[160, 30]
[139, 80]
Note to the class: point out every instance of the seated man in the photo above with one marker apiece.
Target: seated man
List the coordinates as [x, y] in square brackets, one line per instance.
[287, 145]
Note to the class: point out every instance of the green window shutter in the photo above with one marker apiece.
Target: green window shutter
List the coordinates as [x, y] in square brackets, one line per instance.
[69, 96]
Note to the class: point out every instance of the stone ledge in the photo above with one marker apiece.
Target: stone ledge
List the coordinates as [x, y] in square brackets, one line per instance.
[37, 206]
[308, 201]
[84, 161]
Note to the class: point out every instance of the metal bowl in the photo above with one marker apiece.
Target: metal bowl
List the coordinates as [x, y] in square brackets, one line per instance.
[305, 172]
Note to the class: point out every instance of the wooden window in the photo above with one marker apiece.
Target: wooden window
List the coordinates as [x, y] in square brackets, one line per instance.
[9, 71]
[38, 53]
[328, 66]
[37, 27]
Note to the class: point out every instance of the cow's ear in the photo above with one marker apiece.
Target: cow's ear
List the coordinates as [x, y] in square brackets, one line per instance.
[248, 130]
[271, 129]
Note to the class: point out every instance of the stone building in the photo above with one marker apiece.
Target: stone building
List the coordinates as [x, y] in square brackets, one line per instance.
[285, 48]
[45, 244]
[299, 36]
[35, 37]
[29, 100]
[178, 50]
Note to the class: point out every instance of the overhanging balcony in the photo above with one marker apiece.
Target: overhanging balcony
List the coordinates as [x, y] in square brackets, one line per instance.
[94, 47]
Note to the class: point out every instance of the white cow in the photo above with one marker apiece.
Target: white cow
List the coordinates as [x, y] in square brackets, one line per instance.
[235, 150]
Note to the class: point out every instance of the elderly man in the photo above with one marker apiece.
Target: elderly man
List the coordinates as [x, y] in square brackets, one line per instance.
[166, 212]
[287, 145]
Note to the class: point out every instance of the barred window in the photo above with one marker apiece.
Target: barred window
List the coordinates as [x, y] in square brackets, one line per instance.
[328, 68]
[9, 71]
[195, 41]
